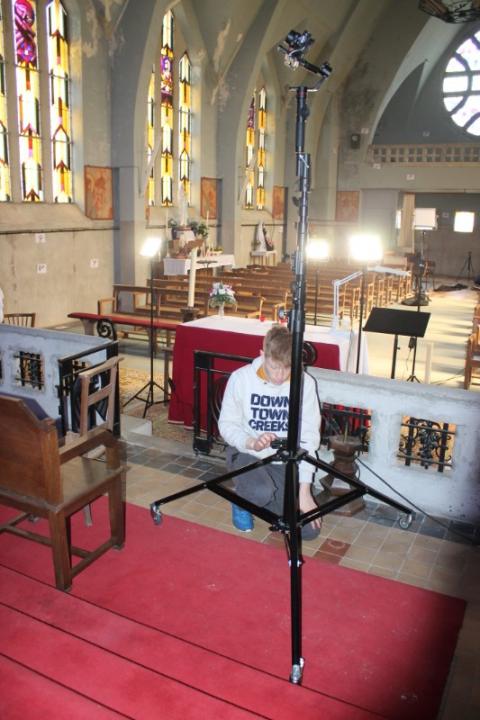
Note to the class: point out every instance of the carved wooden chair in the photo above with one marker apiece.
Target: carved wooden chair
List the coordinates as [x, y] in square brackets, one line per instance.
[42, 480]
[22, 319]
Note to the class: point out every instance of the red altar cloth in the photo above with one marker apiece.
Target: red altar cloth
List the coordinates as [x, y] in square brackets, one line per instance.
[190, 338]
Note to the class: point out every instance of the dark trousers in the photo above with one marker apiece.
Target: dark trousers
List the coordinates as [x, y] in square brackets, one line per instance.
[264, 486]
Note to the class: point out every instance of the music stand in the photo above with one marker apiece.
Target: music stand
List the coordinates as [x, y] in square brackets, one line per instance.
[397, 322]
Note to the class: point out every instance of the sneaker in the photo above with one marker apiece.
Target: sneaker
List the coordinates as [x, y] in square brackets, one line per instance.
[242, 519]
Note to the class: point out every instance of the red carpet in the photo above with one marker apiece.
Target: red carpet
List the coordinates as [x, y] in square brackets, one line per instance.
[187, 622]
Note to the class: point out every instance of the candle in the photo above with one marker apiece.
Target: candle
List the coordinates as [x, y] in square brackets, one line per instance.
[191, 278]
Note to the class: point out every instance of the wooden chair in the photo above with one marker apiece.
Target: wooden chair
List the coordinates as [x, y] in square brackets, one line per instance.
[22, 319]
[98, 385]
[472, 360]
[43, 480]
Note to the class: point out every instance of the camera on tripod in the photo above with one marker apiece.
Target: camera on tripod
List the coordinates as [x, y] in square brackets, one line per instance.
[298, 43]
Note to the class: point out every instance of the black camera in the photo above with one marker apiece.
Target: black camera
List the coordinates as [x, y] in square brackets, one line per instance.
[298, 43]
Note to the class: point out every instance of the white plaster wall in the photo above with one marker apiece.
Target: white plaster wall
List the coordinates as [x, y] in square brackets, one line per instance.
[51, 345]
[453, 494]
[79, 271]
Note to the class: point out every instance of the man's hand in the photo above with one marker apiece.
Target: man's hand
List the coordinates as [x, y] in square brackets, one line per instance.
[307, 503]
[263, 441]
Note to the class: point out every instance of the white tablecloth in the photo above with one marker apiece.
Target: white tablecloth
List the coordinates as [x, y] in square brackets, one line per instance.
[345, 339]
[180, 266]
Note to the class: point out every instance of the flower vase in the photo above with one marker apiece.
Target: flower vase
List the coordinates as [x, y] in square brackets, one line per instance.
[221, 310]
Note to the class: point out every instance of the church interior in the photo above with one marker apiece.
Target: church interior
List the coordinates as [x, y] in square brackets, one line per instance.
[175, 178]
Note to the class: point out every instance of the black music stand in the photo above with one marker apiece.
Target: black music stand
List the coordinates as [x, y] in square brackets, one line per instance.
[397, 322]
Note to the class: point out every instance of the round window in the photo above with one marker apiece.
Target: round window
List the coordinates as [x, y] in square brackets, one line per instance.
[461, 85]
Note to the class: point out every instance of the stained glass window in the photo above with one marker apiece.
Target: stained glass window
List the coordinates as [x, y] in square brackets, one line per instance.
[4, 164]
[261, 154]
[256, 154]
[150, 190]
[60, 122]
[28, 98]
[166, 110]
[185, 125]
[461, 85]
[250, 155]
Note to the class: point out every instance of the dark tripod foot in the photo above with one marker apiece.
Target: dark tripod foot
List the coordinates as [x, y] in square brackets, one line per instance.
[297, 672]
[156, 513]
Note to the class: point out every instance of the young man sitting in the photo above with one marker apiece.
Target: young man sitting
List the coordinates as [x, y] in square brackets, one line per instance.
[254, 413]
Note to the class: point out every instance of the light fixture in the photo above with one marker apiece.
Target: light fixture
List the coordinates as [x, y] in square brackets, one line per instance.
[318, 249]
[365, 248]
[425, 219]
[151, 247]
[464, 222]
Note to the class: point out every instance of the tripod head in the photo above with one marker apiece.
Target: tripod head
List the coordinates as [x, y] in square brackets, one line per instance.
[296, 45]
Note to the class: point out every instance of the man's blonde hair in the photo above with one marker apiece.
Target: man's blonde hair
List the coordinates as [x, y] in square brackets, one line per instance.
[277, 345]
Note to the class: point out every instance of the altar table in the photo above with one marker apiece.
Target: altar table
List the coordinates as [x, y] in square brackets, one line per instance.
[180, 266]
[336, 350]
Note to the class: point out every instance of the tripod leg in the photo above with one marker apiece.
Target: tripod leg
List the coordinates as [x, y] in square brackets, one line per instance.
[291, 513]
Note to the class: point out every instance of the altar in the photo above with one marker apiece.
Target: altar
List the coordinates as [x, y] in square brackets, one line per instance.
[335, 350]
[181, 266]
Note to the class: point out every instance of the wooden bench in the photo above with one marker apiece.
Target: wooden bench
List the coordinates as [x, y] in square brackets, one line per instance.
[42, 480]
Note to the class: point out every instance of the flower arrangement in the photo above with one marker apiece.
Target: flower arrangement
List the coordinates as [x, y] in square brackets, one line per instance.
[221, 294]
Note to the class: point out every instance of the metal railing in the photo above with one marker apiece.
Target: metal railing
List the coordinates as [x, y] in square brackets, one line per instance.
[69, 398]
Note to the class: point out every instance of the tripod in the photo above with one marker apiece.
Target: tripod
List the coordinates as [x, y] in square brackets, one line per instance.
[288, 450]
[150, 386]
[467, 267]
[413, 344]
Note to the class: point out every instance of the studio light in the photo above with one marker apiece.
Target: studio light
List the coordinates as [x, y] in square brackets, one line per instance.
[151, 247]
[425, 219]
[464, 222]
[365, 248]
[318, 249]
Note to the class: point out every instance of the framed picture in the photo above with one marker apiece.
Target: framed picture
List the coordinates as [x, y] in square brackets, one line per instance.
[278, 202]
[98, 193]
[347, 206]
[209, 196]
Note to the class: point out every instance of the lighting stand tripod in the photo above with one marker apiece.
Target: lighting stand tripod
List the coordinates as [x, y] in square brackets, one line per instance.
[467, 267]
[150, 386]
[288, 451]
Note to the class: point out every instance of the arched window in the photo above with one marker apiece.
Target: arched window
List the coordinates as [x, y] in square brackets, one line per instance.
[461, 85]
[185, 125]
[255, 148]
[261, 153]
[169, 124]
[250, 154]
[60, 121]
[166, 110]
[150, 190]
[39, 48]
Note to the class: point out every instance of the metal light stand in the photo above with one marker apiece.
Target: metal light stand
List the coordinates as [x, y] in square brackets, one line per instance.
[316, 296]
[290, 523]
[150, 386]
[362, 302]
[413, 343]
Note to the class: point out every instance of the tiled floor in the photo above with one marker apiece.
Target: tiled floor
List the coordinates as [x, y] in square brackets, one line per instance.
[443, 558]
